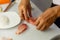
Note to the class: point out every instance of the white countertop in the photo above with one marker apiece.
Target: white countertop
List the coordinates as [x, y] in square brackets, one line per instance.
[31, 33]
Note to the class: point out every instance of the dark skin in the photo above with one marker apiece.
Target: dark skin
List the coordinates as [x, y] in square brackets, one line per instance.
[45, 20]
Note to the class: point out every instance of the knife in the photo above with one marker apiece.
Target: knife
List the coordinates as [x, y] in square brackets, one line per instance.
[10, 4]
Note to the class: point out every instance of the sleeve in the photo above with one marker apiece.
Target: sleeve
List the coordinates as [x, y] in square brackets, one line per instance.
[12, 0]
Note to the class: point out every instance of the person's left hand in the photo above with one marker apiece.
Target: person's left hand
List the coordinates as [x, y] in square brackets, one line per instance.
[44, 21]
[24, 9]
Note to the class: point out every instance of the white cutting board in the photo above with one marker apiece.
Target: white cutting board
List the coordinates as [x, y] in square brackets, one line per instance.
[31, 33]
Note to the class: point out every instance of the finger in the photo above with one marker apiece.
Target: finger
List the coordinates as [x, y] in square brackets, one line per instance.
[21, 14]
[46, 28]
[25, 14]
[43, 27]
[48, 24]
[37, 21]
[40, 25]
[29, 11]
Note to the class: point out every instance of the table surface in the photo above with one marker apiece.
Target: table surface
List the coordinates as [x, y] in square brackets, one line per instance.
[31, 33]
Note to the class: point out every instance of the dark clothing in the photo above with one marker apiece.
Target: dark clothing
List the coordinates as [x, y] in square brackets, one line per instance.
[57, 22]
[12, 0]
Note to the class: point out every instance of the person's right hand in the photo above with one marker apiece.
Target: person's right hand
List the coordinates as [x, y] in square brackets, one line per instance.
[45, 20]
[25, 9]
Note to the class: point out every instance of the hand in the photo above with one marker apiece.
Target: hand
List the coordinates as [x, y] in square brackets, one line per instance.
[45, 20]
[25, 9]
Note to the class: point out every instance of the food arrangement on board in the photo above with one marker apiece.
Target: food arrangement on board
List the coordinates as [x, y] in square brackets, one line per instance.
[7, 20]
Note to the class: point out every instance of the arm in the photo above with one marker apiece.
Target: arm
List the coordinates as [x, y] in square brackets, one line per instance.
[45, 20]
[57, 9]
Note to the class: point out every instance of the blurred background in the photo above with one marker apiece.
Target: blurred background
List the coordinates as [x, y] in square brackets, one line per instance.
[42, 4]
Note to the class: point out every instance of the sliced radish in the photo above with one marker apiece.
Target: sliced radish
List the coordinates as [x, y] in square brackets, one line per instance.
[31, 20]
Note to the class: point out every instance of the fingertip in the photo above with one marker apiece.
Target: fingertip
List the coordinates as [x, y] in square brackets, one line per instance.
[25, 15]
[43, 28]
[27, 19]
[21, 15]
[35, 24]
[37, 28]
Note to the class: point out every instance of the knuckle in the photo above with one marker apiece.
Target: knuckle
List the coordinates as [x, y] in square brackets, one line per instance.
[42, 20]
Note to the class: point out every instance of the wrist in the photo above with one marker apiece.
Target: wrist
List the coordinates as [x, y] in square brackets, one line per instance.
[58, 15]
[25, 1]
